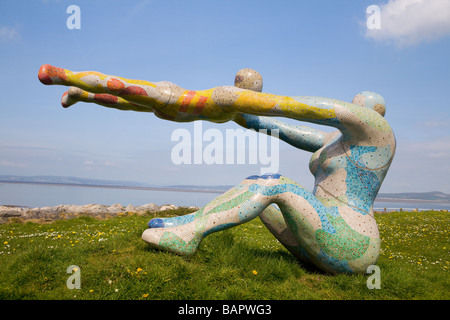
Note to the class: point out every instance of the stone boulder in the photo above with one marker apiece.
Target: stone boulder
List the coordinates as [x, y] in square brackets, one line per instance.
[168, 207]
[148, 207]
[72, 210]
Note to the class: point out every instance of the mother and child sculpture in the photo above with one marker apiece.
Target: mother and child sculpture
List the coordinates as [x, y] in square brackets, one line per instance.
[333, 227]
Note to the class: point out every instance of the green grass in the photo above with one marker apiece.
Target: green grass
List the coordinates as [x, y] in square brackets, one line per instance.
[241, 263]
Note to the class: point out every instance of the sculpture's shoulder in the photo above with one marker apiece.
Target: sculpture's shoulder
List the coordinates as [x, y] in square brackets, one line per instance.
[364, 124]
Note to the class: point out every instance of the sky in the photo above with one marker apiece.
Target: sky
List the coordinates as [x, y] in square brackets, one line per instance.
[327, 48]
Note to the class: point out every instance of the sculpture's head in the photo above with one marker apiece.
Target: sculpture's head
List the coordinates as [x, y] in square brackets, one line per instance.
[371, 100]
[248, 79]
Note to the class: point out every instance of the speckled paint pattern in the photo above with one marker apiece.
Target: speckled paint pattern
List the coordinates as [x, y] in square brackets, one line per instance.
[332, 226]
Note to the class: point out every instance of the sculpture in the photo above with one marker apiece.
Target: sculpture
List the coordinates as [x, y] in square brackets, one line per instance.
[331, 227]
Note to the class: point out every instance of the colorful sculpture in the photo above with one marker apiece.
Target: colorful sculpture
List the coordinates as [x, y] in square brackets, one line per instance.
[332, 227]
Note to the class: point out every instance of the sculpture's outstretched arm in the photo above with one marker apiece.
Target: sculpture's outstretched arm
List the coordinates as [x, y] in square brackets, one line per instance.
[138, 92]
[74, 95]
[301, 137]
[220, 104]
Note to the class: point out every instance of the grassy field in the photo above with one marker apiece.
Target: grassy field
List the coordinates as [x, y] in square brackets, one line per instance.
[241, 263]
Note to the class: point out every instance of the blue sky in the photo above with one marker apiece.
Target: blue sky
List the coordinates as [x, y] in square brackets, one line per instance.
[317, 48]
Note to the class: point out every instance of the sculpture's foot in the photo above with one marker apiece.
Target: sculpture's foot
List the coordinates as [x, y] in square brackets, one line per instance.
[71, 97]
[52, 75]
[182, 240]
[171, 222]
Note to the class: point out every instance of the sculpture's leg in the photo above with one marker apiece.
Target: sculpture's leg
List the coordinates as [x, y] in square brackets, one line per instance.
[238, 205]
[180, 220]
[322, 236]
[74, 95]
[182, 235]
[273, 219]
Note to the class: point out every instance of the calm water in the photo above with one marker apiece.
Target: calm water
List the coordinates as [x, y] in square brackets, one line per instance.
[42, 195]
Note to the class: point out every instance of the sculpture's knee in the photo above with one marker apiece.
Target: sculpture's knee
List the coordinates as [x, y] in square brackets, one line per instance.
[266, 184]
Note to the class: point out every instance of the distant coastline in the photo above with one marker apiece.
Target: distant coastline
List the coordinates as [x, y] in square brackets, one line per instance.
[381, 199]
[413, 197]
[161, 188]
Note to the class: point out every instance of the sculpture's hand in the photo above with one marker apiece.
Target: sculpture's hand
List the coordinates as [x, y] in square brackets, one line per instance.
[144, 93]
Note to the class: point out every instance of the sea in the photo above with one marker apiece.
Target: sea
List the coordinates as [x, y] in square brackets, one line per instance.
[34, 195]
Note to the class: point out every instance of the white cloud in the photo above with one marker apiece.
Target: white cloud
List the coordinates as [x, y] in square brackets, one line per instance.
[90, 164]
[410, 22]
[434, 148]
[420, 166]
[435, 124]
[13, 164]
[9, 33]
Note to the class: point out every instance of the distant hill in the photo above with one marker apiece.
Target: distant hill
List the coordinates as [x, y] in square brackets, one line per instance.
[75, 181]
[71, 181]
[428, 196]
[423, 196]
[220, 188]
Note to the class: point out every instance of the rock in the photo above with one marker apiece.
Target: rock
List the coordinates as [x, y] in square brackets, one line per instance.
[95, 208]
[8, 212]
[168, 207]
[148, 207]
[34, 213]
[116, 208]
[49, 212]
[71, 210]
